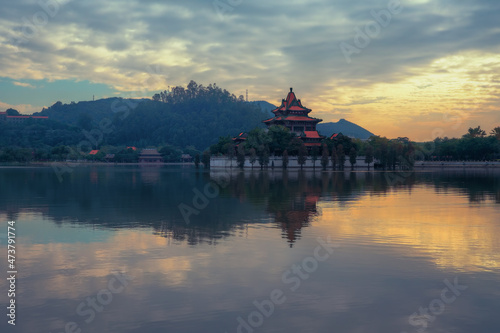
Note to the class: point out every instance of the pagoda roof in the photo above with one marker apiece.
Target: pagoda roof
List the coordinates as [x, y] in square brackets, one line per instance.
[291, 103]
[312, 134]
[335, 135]
[293, 118]
[242, 136]
[149, 151]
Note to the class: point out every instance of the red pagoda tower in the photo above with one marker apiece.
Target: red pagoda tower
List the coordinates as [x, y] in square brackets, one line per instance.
[295, 117]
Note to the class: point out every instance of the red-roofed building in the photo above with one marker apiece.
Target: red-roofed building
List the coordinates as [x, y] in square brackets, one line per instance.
[294, 116]
[17, 119]
[240, 138]
[93, 152]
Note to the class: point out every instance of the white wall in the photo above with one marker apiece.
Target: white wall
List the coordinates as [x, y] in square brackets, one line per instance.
[223, 162]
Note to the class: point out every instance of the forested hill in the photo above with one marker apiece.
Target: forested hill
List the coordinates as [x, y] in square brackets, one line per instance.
[192, 116]
[83, 114]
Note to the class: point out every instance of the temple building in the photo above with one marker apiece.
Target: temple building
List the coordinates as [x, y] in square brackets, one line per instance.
[150, 155]
[293, 115]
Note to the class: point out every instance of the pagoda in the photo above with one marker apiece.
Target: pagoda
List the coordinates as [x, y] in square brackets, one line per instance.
[292, 115]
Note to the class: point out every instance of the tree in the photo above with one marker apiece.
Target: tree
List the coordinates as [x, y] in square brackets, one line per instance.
[334, 157]
[205, 159]
[60, 152]
[12, 112]
[280, 139]
[197, 160]
[475, 133]
[230, 153]
[294, 146]
[85, 121]
[263, 154]
[240, 156]
[170, 153]
[352, 157]
[221, 146]
[369, 155]
[341, 156]
[190, 150]
[314, 155]
[496, 132]
[253, 156]
[285, 159]
[256, 138]
[302, 157]
[324, 157]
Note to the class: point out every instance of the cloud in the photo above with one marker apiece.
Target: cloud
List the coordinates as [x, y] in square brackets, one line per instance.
[23, 84]
[22, 108]
[262, 46]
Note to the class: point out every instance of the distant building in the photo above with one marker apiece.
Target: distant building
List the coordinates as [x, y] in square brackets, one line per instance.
[335, 136]
[186, 158]
[19, 119]
[294, 116]
[240, 138]
[94, 152]
[150, 155]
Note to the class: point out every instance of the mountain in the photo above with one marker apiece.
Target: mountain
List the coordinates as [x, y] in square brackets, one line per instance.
[345, 127]
[265, 106]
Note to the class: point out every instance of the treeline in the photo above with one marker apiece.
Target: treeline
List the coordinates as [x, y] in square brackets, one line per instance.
[390, 154]
[475, 145]
[118, 154]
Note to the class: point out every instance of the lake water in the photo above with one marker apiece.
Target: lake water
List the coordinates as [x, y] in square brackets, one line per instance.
[173, 249]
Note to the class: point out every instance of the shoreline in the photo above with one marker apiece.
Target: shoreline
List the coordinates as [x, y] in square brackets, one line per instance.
[428, 165]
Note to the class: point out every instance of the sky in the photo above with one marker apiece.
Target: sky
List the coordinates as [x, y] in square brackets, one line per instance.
[415, 68]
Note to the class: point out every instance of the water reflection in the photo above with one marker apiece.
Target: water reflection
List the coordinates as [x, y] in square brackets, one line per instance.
[125, 197]
[398, 243]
